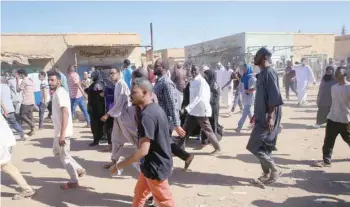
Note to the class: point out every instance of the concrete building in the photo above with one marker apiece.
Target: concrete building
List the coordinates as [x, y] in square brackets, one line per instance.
[242, 47]
[342, 47]
[37, 52]
[177, 54]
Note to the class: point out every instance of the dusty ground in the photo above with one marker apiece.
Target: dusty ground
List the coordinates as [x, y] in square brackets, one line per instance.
[212, 181]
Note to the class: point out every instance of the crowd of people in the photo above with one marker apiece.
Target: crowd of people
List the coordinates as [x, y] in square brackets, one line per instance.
[143, 107]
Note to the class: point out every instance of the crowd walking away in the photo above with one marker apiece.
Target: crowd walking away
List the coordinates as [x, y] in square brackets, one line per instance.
[158, 108]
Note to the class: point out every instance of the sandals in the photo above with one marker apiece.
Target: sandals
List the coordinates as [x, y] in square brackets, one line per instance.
[69, 185]
[24, 194]
[107, 149]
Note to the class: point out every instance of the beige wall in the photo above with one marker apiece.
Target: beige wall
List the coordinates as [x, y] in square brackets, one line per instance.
[320, 44]
[58, 45]
[342, 47]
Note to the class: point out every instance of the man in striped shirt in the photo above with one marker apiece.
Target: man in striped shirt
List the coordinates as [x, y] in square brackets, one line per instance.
[27, 87]
[76, 93]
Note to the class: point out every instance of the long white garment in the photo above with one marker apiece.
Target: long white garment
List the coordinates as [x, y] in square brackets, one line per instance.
[219, 76]
[6, 142]
[304, 75]
[199, 98]
[227, 92]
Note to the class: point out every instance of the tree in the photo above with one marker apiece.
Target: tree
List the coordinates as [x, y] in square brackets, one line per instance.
[343, 30]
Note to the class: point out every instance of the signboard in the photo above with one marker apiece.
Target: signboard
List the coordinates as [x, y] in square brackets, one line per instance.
[110, 52]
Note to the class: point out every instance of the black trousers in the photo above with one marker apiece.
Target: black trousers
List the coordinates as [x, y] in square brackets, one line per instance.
[26, 114]
[333, 129]
[109, 129]
[96, 128]
[49, 107]
[176, 150]
[293, 87]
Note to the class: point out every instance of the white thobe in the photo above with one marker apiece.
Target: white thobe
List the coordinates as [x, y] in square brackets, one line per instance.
[227, 92]
[304, 75]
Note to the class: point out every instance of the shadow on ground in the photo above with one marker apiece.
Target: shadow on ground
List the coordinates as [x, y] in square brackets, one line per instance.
[50, 194]
[307, 201]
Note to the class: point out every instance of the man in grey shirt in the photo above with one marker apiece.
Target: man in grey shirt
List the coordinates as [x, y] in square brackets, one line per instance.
[7, 109]
[15, 95]
[338, 117]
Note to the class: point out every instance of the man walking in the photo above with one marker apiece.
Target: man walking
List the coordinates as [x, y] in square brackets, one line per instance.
[63, 130]
[8, 111]
[338, 117]
[167, 96]
[27, 87]
[154, 149]
[267, 114]
[199, 110]
[77, 95]
[227, 88]
[304, 75]
[15, 94]
[290, 81]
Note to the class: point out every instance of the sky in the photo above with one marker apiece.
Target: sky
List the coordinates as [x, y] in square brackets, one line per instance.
[175, 24]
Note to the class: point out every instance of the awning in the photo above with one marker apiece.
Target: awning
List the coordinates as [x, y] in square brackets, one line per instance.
[21, 59]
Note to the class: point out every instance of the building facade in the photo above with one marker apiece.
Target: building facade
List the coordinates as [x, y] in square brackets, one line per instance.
[242, 47]
[37, 52]
[177, 54]
[342, 47]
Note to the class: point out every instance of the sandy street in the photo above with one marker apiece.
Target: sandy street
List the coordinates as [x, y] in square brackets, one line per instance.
[211, 182]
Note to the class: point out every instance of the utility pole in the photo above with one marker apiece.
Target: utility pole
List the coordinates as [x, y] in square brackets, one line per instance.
[152, 47]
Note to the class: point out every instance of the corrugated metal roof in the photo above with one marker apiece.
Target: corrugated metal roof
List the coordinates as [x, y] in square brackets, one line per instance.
[22, 59]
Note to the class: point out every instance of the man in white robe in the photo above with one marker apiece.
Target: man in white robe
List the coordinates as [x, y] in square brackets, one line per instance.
[227, 87]
[304, 75]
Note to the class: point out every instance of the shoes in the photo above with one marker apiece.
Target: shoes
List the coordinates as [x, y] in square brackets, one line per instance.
[238, 130]
[317, 126]
[188, 161]
[93, 144]
[24, 137]
[322, 164]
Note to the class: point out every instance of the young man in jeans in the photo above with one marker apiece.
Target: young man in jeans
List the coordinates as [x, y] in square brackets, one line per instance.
[76, 93]
[338, 117]
[154, 149]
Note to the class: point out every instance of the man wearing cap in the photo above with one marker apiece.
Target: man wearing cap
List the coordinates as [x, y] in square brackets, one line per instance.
[267, 112]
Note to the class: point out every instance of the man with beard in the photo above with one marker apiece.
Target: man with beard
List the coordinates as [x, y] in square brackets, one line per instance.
[63, 131]
[267, 112]
[166, 93]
